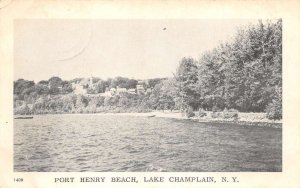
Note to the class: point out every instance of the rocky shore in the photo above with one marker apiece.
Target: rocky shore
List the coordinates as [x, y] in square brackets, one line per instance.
[248, 119]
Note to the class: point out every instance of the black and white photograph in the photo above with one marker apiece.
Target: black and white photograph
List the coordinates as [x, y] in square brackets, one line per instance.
[147, 95]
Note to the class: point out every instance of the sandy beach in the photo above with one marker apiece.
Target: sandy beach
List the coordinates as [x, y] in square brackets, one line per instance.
[243, 118]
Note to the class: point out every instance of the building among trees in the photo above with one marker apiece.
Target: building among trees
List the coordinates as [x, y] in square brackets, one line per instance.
[140, 87]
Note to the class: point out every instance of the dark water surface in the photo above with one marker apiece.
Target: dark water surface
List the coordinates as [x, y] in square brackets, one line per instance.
[75, 143]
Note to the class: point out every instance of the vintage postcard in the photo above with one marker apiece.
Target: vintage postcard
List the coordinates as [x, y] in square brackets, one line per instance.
[149, 94]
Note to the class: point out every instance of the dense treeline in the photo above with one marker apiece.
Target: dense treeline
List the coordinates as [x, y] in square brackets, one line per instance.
[56, 96]
[244, 74]
[24, 89]
[72, 103]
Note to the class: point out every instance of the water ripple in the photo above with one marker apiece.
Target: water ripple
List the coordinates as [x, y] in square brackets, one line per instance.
[75, 143]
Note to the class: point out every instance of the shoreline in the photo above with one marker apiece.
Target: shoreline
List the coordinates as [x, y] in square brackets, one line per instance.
[246, 119]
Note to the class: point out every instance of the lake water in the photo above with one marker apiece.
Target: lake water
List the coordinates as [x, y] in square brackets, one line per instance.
[76, 143]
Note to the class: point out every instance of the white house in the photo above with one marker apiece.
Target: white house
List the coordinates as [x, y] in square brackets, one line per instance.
[82, 86]
[140, 87]
[112, 91]
[78, 88]
[121, 90]
[131, 91]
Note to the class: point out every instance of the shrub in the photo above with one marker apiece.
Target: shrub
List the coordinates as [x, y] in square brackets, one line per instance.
[231, 113]
[216, 109]
[190, 113]
[274, 110]
[23, 110]
[201, 113]
[216, 115]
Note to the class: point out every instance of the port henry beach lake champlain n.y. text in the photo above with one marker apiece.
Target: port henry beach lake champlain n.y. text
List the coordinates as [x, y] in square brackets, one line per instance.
[186, 95]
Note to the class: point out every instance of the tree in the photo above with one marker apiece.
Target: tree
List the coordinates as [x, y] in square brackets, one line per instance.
[243, 74]
[66, 87]
[41, 89]
[155, 81]
[100, 87]
[187, 78]
[163, 95]
[20, 85]
[44, 82]
[123, 83]
[55, 83]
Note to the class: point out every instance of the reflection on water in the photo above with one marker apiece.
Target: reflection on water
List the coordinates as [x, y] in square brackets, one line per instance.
[75, 143]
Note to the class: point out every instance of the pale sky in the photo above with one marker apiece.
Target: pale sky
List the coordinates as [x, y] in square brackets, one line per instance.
[137, 49]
